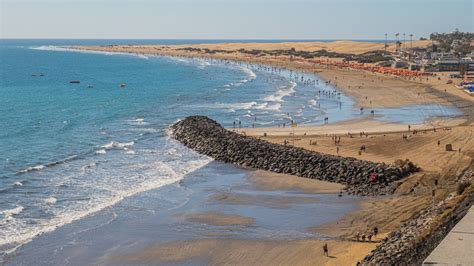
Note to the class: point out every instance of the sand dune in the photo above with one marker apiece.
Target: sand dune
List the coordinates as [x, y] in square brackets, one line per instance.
[350, 47]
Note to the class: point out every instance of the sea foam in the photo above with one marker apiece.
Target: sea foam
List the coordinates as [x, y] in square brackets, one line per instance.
[55, 48]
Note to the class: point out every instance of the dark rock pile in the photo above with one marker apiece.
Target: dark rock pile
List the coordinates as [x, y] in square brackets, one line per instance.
[418, 237]
[207, 137]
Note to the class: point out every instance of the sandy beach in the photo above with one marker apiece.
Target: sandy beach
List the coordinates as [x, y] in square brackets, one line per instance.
[271, 181]
[384, 142]
[217, 219]
[242, 252]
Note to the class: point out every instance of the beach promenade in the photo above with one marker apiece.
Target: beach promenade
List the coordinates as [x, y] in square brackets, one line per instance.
[458, 246]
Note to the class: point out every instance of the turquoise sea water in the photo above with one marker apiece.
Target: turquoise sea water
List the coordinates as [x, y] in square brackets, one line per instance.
[69, 150]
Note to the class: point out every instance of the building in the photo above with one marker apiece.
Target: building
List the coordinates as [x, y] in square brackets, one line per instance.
[448, 65]
[442, 56]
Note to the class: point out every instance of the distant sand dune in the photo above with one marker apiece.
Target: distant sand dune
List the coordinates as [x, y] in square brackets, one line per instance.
[350, 47]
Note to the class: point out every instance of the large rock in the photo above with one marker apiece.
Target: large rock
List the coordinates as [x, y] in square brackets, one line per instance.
[207, 137]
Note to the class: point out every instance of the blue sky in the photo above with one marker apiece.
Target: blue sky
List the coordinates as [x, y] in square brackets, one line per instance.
[232, 19]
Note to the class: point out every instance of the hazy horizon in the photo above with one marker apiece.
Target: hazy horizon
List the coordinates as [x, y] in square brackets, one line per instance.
[231, 19]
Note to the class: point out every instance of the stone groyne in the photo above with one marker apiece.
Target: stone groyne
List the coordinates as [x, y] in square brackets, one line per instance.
[206, 136]
[419, 236]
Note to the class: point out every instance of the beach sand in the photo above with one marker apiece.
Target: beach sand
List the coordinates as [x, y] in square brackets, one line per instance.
[349, 47]
[413, 194]
[217, 219]
[264, 200]
[385, 146]
[356, 126]
[275, 181]
[250, 252]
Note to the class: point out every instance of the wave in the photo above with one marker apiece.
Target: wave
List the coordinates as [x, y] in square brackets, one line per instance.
[137, 122]
[274, 107]
[41, 166]
[203, 64]
[281, 93]
[32, 168]
[16, 232]
[55, 48]
[50, 201]
[91, 165]
[101, 151]
[200, 63]
[250, 74]
[117, 145]
[234, 106]
[8, 214]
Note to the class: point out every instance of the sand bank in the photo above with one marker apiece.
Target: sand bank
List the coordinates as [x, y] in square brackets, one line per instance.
[217, 219]
[264, 200]
[275, 181]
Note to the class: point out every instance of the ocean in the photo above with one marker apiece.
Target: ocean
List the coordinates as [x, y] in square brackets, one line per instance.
[70, 150]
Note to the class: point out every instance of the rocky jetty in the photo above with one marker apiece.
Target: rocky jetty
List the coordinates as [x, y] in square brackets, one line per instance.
[418, 237]
[206, 136]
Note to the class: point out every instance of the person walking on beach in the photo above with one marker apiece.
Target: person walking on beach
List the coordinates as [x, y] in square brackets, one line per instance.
[325, 250]
[376, 231]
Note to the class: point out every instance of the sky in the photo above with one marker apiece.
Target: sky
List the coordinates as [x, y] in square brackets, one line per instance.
[232, 19]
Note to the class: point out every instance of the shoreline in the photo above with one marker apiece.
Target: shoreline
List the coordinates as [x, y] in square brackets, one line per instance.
[434, 91]
[249, 218]
[392, 91]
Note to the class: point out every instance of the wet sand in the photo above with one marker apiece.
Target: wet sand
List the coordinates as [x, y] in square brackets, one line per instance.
[278, 201]
[225, 250]
[245, 252]
[275, 181]
[217, 218]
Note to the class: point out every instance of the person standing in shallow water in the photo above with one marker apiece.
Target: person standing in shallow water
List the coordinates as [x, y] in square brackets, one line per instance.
[325, 250]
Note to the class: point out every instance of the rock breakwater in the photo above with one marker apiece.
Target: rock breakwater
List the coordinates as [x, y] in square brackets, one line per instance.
[419, 236]
[206, 136]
